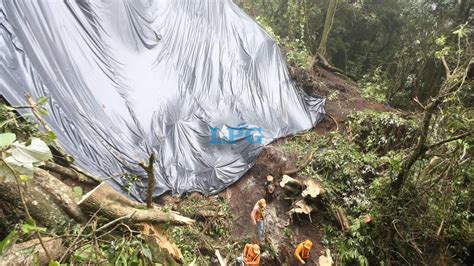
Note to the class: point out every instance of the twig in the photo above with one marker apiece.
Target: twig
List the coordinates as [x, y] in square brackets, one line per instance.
[446, 67]
[36, 113]
[23, 107]
[115, 221]
[94, 239]
[334, 120]
[419, 103]
[449, 140]
[79, 235]
[222, 262]
[440, 227]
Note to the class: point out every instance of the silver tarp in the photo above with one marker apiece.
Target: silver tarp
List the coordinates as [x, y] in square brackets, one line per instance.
[131, 77]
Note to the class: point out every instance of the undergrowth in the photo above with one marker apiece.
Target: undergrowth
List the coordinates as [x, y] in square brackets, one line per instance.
[198, 242]
[353, 168]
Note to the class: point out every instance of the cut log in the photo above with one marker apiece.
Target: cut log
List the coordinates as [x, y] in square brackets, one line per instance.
[50, 202]
[326, 260]
[31, 252]
[112, 205]
[300, 207]
[313, 188]
[342, 220]
[308, 187]
[60, 192]
[291, 184]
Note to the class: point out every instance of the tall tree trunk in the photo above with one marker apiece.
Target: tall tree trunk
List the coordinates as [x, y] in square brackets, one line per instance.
[331, 11]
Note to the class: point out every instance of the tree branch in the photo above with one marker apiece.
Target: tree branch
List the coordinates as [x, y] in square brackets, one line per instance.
[151, 179]
[449, 140]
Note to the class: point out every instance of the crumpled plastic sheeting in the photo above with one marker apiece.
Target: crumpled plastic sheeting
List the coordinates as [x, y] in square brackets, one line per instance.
[127, 78]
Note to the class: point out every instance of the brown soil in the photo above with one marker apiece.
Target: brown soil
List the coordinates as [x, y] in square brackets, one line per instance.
[282, 234]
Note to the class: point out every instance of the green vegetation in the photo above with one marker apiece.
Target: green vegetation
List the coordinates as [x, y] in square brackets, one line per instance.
[197, 243]
[390, 47]
[357, 168]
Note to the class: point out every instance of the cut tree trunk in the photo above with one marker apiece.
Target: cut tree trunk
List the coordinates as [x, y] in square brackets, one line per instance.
[50, 202]
[291, 184]
[109, 203]
[31, 252]
[312, 190]
[309, 188]
[300, 207]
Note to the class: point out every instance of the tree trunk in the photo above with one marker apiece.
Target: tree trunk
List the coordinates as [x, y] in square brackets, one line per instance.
[307, 188]
[331, 11]
[31, 252]
[109, 203]
[50, 202]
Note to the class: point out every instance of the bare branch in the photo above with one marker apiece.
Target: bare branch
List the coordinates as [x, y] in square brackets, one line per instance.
[449, 140]
[151, 179]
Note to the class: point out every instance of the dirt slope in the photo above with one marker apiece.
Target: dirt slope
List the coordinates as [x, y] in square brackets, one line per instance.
[283, 235]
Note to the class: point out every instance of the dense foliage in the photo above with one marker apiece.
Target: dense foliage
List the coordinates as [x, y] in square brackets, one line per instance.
[411, 172]
[433, 221]
[388, 45]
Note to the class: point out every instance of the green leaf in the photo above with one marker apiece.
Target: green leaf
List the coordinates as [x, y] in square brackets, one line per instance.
[77, 191]
[147, 253]
[6, 139]
[54, 263]
[8, 241]
[50, 136]
[31, 228]
[43, 111]
[36, 152]
[24, 178]
[42, 100]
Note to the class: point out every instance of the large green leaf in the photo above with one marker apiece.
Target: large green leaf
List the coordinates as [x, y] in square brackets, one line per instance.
[7, 139]
[36, 152]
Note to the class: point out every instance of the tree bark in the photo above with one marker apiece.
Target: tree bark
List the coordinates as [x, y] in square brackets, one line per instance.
[111, 204]
[150, 171]
[70, 173]
[331, 11]
[50, 202]
[31, 252]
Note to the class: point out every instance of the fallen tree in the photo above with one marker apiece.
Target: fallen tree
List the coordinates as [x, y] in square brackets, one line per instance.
[109, 203]
[50, 202]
